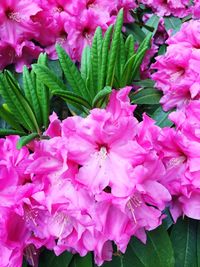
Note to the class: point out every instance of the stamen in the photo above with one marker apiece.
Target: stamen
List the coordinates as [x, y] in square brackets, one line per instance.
[15, 16]
[134, 202]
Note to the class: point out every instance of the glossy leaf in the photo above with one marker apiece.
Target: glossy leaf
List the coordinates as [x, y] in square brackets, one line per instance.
[161, 118]
[184, 241]
[149, 96]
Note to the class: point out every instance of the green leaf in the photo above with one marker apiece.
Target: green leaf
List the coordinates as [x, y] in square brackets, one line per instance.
[29, 85]
[161, 118]
[101, 95]
[49, 259]
[104, 59]
[48, 78]
[4, 132]
[129, 47]
[8, 117]
[85, 63]
[172, 23]
[145, 43]
[72, 74]
[184, 241]
[72, 98]
[114, 49]
[26, 139]
[43, 91]
[156, 252]
[136, 31]
[121, 60]
[78, 261]
[149, 96]
[95, 62]
[16, 102]
[153, 22]
[145, 83]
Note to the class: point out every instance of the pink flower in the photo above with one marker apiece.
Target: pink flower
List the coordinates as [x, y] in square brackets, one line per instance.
[180, 154]
[15, 20]
[178, 8]
[177, 75]
[80, 31]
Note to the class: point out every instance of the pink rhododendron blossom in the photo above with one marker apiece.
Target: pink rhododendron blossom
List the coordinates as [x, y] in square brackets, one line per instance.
[177, 71]
[180, 154]
[178, 8]
[97, 180]
[69, 23]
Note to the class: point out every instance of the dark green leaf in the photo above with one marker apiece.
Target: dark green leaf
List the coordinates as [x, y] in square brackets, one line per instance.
[72, 98]
[149, 96]
[101, 95]
[161, 118]
[78, 261]
[184, 241]
[4, 132]
[49, 259]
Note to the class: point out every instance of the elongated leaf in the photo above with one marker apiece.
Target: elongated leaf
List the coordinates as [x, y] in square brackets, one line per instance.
[161, 118]
[129, 47]
[85, 62]
[26, 139]
[49, 259]
[5, 132]
[145, 43]
[101, 95]
[72, 98]
[72, 74]
[95, 62]
[78, 261]
[114, 49]
[127, 71]
[156, 252]
[17, 103]
[48, 78]
[43, 92]
[184, 241]
[29, 85]
[8, 117]
[146, 96]
[104, 59]
[137, 62]
[121, 59]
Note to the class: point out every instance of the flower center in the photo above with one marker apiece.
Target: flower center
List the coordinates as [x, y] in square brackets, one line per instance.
[11, 15]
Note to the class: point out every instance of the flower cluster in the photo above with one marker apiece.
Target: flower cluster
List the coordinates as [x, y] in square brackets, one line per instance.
[97, 180]
[178, 72]
[29, 27]
[178, 8]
